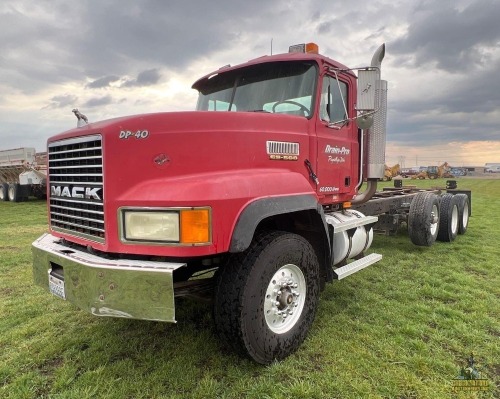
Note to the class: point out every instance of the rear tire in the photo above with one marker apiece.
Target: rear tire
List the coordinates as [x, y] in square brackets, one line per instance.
[256, 307]
[423, 219]
[15, 192]
[448, 224]
[463, 212]
[4, 192]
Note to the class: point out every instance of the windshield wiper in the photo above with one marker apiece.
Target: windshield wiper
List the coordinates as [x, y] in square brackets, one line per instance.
[259, 110]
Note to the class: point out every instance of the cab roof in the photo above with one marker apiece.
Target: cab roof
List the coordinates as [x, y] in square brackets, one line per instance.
[319, 59]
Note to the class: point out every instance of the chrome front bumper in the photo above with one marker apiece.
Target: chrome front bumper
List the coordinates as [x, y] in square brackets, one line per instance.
[116, 288]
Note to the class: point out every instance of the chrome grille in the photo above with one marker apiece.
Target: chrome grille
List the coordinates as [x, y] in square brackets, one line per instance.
[76, 187]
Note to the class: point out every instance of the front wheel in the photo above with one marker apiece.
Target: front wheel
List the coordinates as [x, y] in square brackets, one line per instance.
[266, 298]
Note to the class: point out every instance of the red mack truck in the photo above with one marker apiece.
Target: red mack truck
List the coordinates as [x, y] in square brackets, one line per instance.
[253, 200]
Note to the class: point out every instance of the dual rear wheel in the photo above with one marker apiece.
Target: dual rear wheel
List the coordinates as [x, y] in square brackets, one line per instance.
[442, 218]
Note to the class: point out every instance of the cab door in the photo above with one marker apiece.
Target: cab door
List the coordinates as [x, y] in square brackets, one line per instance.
[337, 141]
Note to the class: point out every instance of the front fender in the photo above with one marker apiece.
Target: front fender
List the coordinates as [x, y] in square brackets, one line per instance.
[263, 208]
[238, 200]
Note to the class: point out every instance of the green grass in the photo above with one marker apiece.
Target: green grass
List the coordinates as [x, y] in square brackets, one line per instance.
[399, 329]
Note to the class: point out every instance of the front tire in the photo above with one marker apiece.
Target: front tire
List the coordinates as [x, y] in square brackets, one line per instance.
[266, 297]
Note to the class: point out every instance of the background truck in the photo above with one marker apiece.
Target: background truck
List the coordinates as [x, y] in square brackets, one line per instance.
[23, 173]
[253, 201]
[492, 168]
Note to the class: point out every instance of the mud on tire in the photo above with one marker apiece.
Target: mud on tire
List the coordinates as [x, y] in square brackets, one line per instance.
[255, 286]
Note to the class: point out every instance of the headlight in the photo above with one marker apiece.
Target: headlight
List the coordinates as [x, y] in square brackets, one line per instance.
[151, 226]
[188, 226]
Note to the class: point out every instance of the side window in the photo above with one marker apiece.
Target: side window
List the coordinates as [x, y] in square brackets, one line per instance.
[332, 100]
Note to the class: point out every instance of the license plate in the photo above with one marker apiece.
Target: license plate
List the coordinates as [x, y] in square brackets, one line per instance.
[56, 286]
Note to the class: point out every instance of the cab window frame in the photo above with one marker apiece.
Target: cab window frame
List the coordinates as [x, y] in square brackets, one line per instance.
[338, 107]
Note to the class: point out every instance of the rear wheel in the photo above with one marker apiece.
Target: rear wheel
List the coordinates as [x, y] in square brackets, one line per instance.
[448, 224]
[463, 212]
[423, 219]
[4, 192]
[266, 298]
[15, 192]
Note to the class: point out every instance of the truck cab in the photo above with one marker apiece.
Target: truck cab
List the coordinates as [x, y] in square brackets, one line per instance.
[298, 88]
[247, 198]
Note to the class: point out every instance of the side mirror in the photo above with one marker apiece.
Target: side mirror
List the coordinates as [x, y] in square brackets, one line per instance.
[366, 101]
[364, 121]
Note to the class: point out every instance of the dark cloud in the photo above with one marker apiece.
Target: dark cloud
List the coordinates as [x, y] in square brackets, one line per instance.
[145, 78]
[451, 38]
[102, 82]
[50, 47]
[98, 101]
[325, 27]
[63, 101]
[117, 37]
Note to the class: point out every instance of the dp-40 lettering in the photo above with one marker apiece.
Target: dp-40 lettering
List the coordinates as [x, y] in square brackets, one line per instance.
[139, 134]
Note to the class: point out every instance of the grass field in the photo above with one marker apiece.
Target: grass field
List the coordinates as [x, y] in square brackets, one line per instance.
[399, 329]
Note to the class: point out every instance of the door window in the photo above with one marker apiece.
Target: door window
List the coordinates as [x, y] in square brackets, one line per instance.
[333, 100]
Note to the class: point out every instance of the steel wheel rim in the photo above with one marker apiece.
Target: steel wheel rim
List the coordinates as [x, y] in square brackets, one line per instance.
[454, 219]
[285, 298]
[465, 216]
[434, 219]
[11, 193]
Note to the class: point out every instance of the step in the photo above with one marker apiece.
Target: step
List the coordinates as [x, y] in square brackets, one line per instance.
[357, 265]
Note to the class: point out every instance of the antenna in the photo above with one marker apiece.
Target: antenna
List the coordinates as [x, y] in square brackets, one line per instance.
[271, 46]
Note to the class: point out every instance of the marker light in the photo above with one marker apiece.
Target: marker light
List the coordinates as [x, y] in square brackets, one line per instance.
[311, 48]
[195, 226]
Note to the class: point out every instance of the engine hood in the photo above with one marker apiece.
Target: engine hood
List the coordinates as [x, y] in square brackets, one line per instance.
[165, 148]
[160, 123]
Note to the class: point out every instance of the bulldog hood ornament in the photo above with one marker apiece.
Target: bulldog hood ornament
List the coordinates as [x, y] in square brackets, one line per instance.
[82, 119]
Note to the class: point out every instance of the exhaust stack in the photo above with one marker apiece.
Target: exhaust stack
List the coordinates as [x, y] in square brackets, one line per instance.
[372, 103]
[376, 137]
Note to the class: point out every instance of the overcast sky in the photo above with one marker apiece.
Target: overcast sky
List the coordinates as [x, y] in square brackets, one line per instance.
[116, 57]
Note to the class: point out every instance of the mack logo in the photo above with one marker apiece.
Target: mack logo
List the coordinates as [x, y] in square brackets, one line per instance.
[75, 192]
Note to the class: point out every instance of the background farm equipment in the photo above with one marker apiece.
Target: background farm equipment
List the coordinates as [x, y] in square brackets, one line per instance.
[23, 173]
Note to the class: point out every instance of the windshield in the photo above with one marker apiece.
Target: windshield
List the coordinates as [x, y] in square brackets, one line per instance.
[278, 87]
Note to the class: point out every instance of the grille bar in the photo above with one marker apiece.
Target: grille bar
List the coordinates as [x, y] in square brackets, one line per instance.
[77, 187]
[76, 159]
[67, 208]
[70, 151]
[75, 174]
[91, 220]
